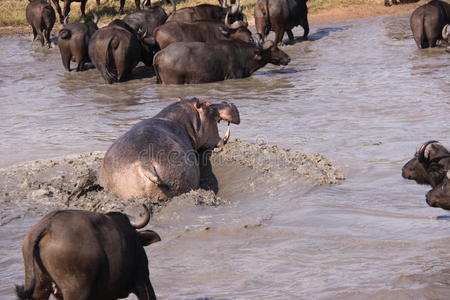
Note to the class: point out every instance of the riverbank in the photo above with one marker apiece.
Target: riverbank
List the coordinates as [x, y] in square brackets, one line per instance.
[13, 20]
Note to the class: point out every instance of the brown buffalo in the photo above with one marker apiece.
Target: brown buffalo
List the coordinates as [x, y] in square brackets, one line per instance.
[41, 16]
[429, 165]
[281, 16]
[202, 31]
[82, 255]
[439, 196]
[73, 42]
[157, 157]
[196, 62]
[115, 50]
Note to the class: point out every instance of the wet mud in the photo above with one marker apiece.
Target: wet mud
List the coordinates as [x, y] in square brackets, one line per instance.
[72, 181]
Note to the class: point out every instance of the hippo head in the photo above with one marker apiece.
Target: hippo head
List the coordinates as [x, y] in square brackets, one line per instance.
[200, 120]
[426, 166]
[440, 195]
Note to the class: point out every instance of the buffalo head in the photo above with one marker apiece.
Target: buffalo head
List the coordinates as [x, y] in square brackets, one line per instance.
[427, 165]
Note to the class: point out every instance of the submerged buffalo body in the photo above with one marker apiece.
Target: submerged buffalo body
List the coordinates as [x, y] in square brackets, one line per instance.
[429, 165]
[439, 196]
[198, 62]
[115, 50]
[73, 42]
[201, 31]
[281, 16]
[428, 21]
[157, 158]
[41, 16]
[85, 255]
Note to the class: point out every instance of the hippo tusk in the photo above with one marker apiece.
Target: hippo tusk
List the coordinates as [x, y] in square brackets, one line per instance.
[445, 32]
[143, 221]
[225, 138]
[95, 19]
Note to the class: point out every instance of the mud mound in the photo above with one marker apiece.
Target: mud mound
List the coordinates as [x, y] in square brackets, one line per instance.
[72, 181]
[273, 160]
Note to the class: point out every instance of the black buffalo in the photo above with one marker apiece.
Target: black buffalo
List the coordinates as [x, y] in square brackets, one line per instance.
[427, 22]
[201, 31]
[146, 21]
[115, 50]
[76, 254]
[429, 164]
[207, 12]
[196, 62]
[281, 16]
[41, 16]
[67, 8]
[73, 42]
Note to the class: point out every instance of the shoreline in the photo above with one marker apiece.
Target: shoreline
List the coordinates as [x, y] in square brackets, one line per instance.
[334, 14]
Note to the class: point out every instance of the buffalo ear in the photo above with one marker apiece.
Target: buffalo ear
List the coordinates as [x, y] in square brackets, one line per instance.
[148, 237]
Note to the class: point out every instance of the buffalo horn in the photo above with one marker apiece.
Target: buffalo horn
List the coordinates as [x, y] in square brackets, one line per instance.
[95, 19]
[227, 22]
[141, 222]
[448, 174]
[66, 20]
[445, 32]
[422, 154]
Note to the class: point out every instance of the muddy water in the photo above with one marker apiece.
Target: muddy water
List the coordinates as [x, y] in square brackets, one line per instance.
[359, 93]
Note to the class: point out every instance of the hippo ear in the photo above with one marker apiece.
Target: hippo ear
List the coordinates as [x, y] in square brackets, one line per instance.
[179, 99]
[148, 237]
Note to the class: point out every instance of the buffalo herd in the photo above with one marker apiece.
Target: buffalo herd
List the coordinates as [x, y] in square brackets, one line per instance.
[86, 255]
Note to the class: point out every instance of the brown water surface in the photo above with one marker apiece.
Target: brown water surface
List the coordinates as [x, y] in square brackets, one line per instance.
[360, 93]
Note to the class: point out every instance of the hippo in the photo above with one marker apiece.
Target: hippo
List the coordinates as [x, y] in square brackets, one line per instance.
[73, 41]
[157, 158]
[41, 16]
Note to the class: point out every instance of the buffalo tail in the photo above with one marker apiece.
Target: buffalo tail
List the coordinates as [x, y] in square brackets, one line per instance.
[65, 34]
[30, 254]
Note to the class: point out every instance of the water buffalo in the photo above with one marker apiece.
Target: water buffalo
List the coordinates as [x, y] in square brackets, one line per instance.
[146, 21]
[439, 196]
[67, 8]
[115, 50]
[207, 12]
[429, 165]
[281, 16]
[427, 22]
[157, 157]
[73, 41]
[196, 62]
[41, 16]
[76, 254]
[202, 31]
